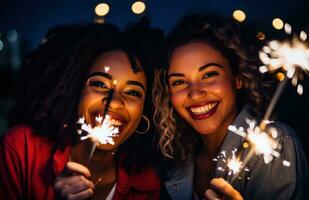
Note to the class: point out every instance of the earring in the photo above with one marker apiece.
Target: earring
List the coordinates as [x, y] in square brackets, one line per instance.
[148, 126]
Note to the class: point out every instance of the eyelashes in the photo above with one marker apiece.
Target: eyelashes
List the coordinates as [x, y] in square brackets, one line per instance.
[101, 85]
[208, 75]
[178, 82]
[97, 83]
[134, 93]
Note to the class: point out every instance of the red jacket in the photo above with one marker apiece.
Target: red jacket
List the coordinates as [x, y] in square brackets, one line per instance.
[28, 168]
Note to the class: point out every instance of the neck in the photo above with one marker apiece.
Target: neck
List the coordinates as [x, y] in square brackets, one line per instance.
[212, 142]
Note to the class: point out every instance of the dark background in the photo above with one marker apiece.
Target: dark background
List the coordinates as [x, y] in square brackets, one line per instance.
[24, 23]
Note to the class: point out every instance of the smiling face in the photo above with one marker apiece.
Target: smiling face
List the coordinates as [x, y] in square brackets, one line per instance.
[112, 70]
[202, 88]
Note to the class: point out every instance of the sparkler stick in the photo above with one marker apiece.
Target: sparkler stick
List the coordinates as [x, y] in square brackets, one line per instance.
[293, 58]
[240, 166]
[273, 102]
[108, 101]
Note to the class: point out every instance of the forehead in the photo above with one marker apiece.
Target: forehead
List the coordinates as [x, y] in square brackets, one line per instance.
[117, 64]
[195, 55]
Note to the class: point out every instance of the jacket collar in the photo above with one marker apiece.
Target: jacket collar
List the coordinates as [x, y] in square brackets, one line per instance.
[233, 141]
[180, 184]
[60, 158]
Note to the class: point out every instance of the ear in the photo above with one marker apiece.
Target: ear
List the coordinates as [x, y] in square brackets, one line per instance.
[239, 83]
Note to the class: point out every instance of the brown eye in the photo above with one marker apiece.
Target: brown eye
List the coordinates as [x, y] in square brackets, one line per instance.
[178, 82]
[210, 74]
[97, 83]
[134, 93]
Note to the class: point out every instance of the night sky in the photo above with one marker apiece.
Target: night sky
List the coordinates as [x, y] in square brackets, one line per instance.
[31, 19]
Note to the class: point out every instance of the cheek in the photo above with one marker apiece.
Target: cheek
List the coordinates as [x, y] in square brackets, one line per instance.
[86, 100]
[177, 98]
[135, 110]
[224, 89]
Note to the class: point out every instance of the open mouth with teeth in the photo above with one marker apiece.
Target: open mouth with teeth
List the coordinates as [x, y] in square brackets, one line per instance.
[115, 121]
[203, 111]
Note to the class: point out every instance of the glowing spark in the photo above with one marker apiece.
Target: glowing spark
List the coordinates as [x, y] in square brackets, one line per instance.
[102, 133]
[107, 68]
[288, 28]
[262, 142]
[233, 164]
[291, 56]
[286, 163]
[303, 35]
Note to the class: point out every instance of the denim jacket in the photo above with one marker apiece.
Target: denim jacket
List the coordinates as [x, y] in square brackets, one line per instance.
[262, 181]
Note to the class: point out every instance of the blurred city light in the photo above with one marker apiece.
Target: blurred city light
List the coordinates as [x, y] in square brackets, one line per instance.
[138, 7]
[239, 15]
[11, 35]
[278, 23]
[280, 76]
[260, 35]
[1, 45]
[102, 9]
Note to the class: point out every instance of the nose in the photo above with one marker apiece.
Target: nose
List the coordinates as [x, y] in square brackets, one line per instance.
[116, 101]
[197, 91]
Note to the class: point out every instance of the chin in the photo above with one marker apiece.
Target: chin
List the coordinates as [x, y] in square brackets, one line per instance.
[204, 129]
[108, 147]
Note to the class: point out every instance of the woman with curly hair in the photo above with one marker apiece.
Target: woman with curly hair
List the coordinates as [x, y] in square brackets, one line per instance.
[210, 82]
[73, 72]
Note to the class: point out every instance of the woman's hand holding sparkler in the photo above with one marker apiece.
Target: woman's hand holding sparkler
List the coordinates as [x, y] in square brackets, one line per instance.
[76, 186]
[222, 190]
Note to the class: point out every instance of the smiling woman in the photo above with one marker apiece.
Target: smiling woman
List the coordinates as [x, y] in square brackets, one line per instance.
[41, 156]
[210, 82]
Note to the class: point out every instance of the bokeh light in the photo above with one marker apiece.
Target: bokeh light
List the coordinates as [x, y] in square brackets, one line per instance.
[278, 23]
[280, 76]
[1, 45]
[11, 35]
[102, 9]
[239, 15]
[260, 35]
[138, 7]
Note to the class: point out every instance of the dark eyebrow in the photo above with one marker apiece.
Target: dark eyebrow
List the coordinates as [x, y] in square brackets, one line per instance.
[175, 74]
[136, 83]
[105, 75]
[208, 65]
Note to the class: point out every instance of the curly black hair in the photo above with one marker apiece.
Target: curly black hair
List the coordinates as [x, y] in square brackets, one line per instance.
[55, 73]
[225, 36]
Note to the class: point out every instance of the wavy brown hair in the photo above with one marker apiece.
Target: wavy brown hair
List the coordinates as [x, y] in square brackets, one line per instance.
[177, 139]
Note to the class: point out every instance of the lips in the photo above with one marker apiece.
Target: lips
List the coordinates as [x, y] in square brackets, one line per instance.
[204, 110]
[116, 119]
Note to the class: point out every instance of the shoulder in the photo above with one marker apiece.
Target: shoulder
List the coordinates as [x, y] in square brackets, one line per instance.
[16, 135]
[283, 130]
[22, 137]
[283, 176]
[289, 144]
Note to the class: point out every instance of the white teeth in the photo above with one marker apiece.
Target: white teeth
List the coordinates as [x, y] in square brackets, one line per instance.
[203, 109]
[115, 122]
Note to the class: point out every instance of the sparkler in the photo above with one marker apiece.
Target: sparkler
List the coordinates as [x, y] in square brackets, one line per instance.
[293, 58]
[233, 165]
[104, 132]
[262, 142]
